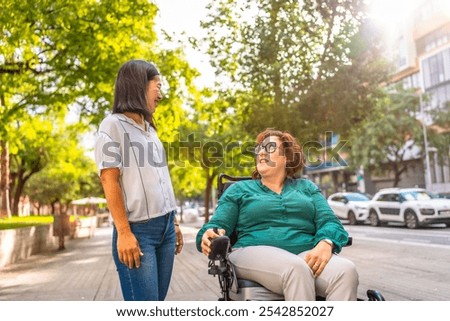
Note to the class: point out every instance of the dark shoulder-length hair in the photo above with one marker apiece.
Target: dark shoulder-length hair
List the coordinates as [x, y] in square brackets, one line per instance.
[130, 92]
[295, 159]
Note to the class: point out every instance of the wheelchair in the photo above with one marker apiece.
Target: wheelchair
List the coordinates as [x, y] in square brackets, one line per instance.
[236, 289]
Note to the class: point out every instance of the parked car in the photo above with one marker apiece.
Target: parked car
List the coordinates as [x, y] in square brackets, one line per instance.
[443, 195]
[414, 207]
[351, 206]
[190, 214]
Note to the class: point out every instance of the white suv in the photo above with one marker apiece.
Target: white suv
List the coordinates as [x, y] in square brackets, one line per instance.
[351, 206]
[412, 206]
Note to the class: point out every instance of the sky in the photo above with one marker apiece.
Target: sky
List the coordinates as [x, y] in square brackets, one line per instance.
[183, 16]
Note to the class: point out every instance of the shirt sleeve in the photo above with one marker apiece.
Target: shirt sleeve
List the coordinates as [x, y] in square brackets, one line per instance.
[107, 152]
[226, 214]
[328, 226]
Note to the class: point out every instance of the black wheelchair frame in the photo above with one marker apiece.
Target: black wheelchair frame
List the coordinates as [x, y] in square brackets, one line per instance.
[236, 289]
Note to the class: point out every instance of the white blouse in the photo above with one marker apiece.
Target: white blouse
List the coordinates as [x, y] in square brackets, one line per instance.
[140, 156]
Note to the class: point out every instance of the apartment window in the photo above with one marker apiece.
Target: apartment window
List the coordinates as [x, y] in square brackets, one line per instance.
[436, 69]
[401, 54]
[411, 81]
[439, 96]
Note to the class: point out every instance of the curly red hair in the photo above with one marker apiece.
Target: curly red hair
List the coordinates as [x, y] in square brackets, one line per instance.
[295, 159]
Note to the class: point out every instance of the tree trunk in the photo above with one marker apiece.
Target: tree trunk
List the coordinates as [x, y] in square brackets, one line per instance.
[209, 184]
[398, 173]
[5, 209]
[207, 197]
[17, 192]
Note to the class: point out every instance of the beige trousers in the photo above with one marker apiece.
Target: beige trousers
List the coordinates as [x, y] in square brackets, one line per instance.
[288, 274]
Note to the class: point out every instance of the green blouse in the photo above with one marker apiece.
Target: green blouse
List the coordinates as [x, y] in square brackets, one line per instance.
[294, 220]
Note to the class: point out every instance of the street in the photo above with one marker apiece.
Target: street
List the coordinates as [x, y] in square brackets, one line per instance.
[402, 264]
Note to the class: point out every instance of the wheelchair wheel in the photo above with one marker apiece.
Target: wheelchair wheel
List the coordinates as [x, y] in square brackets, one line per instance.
[374, 295]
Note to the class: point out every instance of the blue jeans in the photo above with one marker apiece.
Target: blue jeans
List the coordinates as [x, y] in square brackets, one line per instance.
[149, 282]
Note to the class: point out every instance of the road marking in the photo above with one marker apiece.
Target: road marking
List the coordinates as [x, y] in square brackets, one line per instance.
[403, 242]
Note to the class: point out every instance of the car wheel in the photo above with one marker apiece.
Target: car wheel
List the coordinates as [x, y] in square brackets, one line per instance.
[411, 220]
[373, 218]
[351, 218]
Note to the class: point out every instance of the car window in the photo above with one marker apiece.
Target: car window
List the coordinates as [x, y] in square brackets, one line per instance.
[389, 198]
[423, 196]
[338, 198]
[357, 197]
[408, 196]
[383, 198]
[417, 195]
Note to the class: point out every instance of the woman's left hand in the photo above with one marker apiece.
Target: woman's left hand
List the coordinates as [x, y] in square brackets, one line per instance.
[179, 243]
[318, 257]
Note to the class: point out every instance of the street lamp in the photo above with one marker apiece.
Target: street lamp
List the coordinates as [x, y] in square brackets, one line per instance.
[428, 182]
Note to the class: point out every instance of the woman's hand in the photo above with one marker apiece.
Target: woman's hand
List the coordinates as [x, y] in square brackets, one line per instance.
[207, 237]
[318, 257]
[128, 250]
[180, 242]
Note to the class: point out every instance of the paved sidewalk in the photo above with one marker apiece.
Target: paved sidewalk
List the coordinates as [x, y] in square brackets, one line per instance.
[85, 271]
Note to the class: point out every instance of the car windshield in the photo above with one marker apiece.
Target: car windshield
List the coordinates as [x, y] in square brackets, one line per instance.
[357, 197]
[417, 195]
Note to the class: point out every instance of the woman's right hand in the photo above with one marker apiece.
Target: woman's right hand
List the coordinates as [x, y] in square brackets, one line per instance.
[207, 237]
[128, 250]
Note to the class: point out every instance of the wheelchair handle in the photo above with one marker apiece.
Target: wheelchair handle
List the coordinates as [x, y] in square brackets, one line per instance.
[220, 246]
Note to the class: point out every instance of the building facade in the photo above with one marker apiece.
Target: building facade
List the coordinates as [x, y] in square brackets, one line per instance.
[420, 49]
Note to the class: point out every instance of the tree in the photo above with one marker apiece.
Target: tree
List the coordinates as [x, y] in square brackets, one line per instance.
[388, 134]
[66, 180]
[65, 54]
[33, 144]
[342, 101]
[69, 175]
[48, 145]
[210, 143]
[58, 53]
[55, 53]
[272, 51]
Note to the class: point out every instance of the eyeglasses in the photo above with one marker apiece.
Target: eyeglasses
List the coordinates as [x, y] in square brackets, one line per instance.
[270, 147]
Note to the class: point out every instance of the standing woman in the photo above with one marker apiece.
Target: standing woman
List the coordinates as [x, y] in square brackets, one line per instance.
[133, 169]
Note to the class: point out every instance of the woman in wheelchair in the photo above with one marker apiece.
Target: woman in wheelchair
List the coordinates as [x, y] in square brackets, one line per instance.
[287, 235]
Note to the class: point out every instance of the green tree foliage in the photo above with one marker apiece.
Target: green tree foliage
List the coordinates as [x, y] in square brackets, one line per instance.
[339, 103]
[386, 136]
[209, 144]
[69, 175]
[56, 55]
[179, 92]
[272, 51]
[51, 147]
